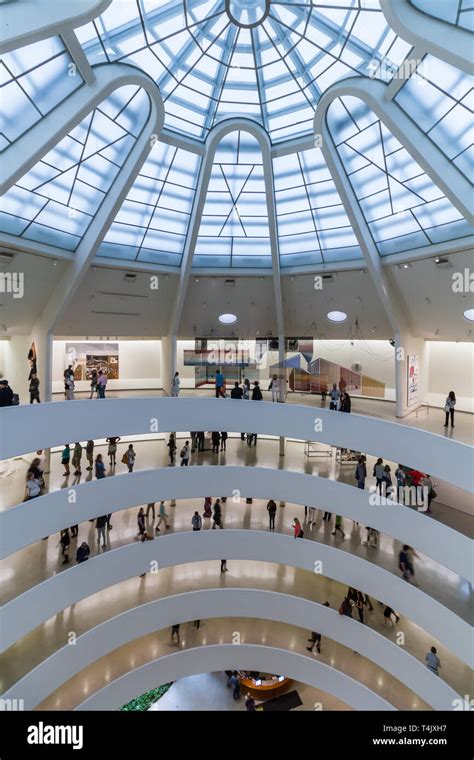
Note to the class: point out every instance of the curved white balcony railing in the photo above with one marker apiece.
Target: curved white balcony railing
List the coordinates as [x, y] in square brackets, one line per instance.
[38, 604]
[214, 657]
[39, 683]
[44, 425]
[30, 521]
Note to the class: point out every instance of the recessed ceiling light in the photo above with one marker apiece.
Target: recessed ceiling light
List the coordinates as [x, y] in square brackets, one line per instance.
[337, 316]
[405, 266]
[469, 315]
[227, 319]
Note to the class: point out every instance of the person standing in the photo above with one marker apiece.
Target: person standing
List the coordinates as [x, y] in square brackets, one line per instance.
[76, 458]
[34, 389]
[150, 508]
[432, 661]
[175, 384]
[65, 542]
[68, 373]
[162, 517]
[90, 454]
[338, 527]
[112, 448]
[66, 458]
[345, 403]
[250, 704]
[101, 383]
[100, 524]
[196, 521]
[220, 392]
[215, 437]
[378, 473]
[236, 391]
[428, 491]
[172, 449]
[256, 392]
[224, 566]
[175, 634]
[449, 408]
[141, 521]
[185, 454]
[360, 604]
[312, 516]
[361, 472]
[200, 438]
[235, 684]
[334, 396]
[316, 638]
[246, 389]
[387, 481]
[93, 383]
[327, 516]
[6, 394]
[401, 480]
[130, 457]
[32, 488]
[272, 508]
[193, 435]
[99, 467]
[217, 516]
[223, 441]
[69, 385]
[207, 507]
[273, 387]
[298, 531]
[346, 607]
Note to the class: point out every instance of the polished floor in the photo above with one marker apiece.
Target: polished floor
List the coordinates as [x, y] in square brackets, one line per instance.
[426, 418]
[220, 631]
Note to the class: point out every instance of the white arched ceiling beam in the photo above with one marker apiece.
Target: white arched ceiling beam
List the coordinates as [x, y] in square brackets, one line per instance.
[220, 657]
[250, 604]
[450, 43]
[32, 20]
[215, 136]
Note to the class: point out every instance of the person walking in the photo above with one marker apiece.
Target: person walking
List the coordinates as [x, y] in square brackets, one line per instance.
[334, 396]
[224, 566]
[141, 522]
[34, 389]
[378, 473]
[219, 380]
[234, 682]
[66, 458]
[101, 383]
[101, 524]
[175, 638]
[361, 472]
[387, 616]
[316, 638]
[360, 604]
[112, 449]
[223, 441]
[271, 508]
[90, 454]
[215, 437]
[405, 562]
[196, 521]
[432, 661]
[99, 467]
[273, 387]
[76, 458]
[185, 453]
[236, 391]
[175, 384]
[207, 507]
[298, 531]
[338, 527]
[93, 383]
[162, 517]
[82, 553]
[172, 449]
[130, 457]
[449, 408]
[217, 516]
[65, 542]
[150, 508]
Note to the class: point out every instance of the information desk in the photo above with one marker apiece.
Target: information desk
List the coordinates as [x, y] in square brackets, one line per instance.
[265, 687]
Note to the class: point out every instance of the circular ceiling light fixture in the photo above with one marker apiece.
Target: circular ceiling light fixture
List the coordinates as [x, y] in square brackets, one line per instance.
[337, 316]
[227, 319]
[469, 315]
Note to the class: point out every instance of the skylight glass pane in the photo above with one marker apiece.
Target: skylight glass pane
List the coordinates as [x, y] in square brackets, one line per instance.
[60, 195]
[456, 12]
[34, 79]
[154, 218]
[398, 199]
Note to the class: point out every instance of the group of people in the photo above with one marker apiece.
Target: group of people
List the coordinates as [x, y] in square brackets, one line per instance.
[98, 383]
[339, 400]
[98, 464]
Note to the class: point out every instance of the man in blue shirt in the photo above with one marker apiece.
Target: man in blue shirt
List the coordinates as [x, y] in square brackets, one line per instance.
[334, 395]
[219, 384]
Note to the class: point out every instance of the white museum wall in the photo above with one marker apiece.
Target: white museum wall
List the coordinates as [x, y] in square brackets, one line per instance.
[14, 364]
[139, 365]
[451, 368]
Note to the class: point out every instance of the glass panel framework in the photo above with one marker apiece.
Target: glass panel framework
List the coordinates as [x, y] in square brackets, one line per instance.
[403, 208]
[440, 100]
[457, 12]
[33, 80]
[208, 67]
[153, 221]
[55, 202]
